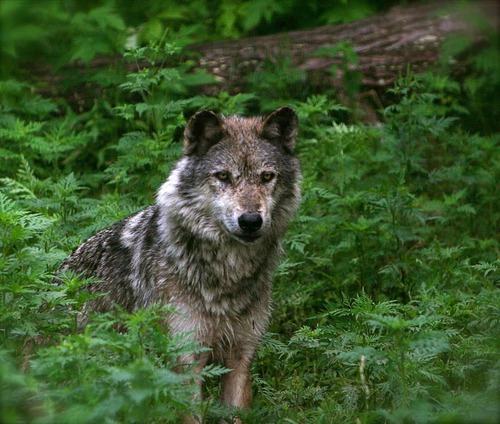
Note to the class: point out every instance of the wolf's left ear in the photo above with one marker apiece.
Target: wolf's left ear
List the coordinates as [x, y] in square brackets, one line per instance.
[203, 130]
[281, 127]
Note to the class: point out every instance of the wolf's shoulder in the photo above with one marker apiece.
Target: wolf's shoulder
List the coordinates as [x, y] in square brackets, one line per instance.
[110, 245]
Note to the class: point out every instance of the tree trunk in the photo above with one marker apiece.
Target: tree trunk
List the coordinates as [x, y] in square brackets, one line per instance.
[385, 46]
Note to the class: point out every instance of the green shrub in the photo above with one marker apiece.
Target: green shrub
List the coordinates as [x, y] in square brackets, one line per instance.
[386, 308]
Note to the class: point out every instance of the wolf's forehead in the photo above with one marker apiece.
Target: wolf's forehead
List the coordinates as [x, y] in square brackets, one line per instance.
[243, 155]
[241, 129]
[243, 149]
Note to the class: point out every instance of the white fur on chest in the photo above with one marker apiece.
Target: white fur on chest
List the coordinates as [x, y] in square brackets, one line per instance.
[220, 332]
[218, 303]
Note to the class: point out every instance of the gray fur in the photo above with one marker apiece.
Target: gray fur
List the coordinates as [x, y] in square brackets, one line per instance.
[189, 250]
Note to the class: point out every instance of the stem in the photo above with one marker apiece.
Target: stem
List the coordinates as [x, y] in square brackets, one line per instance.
[402, 369]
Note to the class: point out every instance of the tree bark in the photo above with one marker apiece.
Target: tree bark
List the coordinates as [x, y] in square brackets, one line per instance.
[386, 45]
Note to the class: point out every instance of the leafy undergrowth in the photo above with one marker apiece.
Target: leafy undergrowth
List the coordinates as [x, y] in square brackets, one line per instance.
[386, 308]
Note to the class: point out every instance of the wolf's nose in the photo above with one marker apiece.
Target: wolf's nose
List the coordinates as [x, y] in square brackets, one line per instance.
[250, 221]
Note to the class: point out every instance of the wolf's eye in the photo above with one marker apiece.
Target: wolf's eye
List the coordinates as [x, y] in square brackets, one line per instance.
[267, 176]
[222, 176]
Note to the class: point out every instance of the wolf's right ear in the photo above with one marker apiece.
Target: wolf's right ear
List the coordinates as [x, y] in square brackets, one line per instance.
[281, 127]
[203, 130]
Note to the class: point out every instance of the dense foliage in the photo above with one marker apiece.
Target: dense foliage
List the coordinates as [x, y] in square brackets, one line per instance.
[386, 308]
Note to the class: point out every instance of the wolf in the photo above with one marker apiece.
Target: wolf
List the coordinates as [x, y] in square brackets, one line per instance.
[210, 244]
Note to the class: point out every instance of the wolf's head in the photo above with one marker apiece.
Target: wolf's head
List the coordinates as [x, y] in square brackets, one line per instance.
[240, 177]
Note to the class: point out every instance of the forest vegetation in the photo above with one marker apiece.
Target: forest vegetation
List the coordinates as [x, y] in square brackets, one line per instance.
[387, 304]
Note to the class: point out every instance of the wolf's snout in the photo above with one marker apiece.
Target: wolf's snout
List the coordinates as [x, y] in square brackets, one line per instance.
[250, 222]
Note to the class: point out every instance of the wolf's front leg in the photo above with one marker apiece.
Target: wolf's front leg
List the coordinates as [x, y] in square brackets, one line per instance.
[201, 361]
[237, 384]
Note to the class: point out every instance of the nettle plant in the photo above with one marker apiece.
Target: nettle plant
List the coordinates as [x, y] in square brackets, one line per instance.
[385, 309]
[374, 328]
[155, 121]
[101, 374]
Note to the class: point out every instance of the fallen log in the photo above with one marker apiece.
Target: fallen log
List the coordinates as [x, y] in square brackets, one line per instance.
[385, 45]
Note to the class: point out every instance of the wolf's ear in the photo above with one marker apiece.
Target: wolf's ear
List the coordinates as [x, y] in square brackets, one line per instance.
[203, 130]
[281, 127]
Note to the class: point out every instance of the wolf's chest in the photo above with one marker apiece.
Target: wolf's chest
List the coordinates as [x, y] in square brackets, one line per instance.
[223, 286]
[218, 327]
[222, 279]
[220, 297]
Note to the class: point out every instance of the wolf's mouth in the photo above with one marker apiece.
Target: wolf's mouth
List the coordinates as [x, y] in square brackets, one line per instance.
[248, 238]
[244, 237]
